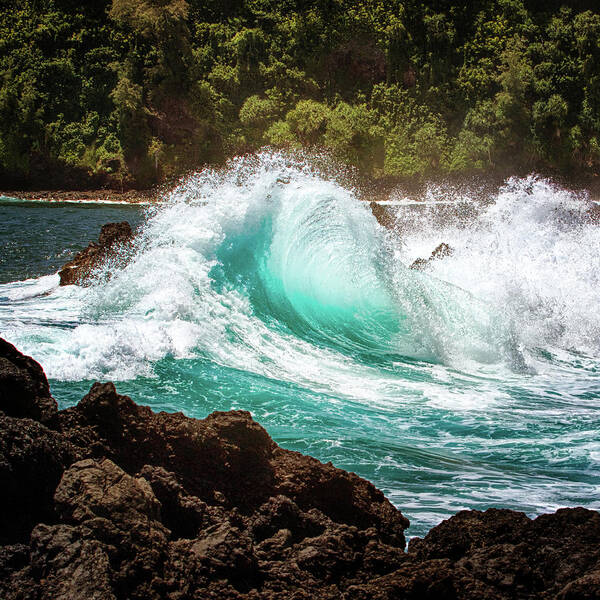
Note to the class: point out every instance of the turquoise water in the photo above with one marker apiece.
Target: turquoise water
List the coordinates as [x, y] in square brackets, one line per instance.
[271, 288]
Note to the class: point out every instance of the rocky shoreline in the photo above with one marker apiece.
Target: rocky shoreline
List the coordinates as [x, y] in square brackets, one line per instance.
[109, 500]
[108, 196]
[114, 241]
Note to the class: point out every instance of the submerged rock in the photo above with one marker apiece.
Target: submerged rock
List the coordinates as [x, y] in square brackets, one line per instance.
[114, 237]
[114, 501]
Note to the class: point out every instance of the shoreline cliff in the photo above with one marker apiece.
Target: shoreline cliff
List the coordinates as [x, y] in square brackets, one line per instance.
[110, 500]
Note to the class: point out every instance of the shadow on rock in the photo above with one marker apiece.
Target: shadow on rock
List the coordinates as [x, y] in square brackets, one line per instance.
[109, 500]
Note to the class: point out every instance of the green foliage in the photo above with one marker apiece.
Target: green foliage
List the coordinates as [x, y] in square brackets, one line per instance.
[280, 135]
[353, 135]
[248, 47]
[469, 153]
[127, 97]
[395, 88]
[415, 149]
[259, 113]
[256, 116]
[149, 18]
[308, 121]
[415, 139]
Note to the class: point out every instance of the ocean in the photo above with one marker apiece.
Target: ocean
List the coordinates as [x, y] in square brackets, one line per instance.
[270, 287]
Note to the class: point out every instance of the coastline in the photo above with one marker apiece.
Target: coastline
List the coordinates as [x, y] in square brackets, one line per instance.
[390, 191]
[109, 499]
[141, 197]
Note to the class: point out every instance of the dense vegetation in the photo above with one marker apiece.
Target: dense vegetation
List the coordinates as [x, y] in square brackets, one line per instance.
[130, 92]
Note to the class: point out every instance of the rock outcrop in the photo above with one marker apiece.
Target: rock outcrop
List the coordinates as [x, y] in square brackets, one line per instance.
[499, 554]
[112, 500]
[441, 251]
[109, 500]
[383, 215]
[114, 239]
[24, 390]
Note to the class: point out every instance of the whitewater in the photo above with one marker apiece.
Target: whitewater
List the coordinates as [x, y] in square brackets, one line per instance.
[270, 287]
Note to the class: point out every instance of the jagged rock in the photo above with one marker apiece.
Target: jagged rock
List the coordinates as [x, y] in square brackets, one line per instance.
[514, 556]
[183, 515]
[455, 537]
[32, 461]
[383, 215]
[114, 238]
[226, 453]
[24, 390]
[117, 502]
[440, 251]
[67, 565]
[110, 543]
[120, 515]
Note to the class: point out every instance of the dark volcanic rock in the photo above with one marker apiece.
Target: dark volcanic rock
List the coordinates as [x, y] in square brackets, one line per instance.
[226, 456]
[118, 502]
[383, 215]
[499, 554]
[24, 390]
[32, 461]
[114, 237]
[115, 518]
[32, 457]
[165, 506]
[441, 251]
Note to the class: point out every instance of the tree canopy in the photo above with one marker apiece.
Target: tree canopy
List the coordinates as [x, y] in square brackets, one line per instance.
[132, 92]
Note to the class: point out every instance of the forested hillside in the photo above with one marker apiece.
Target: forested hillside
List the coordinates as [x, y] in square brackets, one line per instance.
[133, 92]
